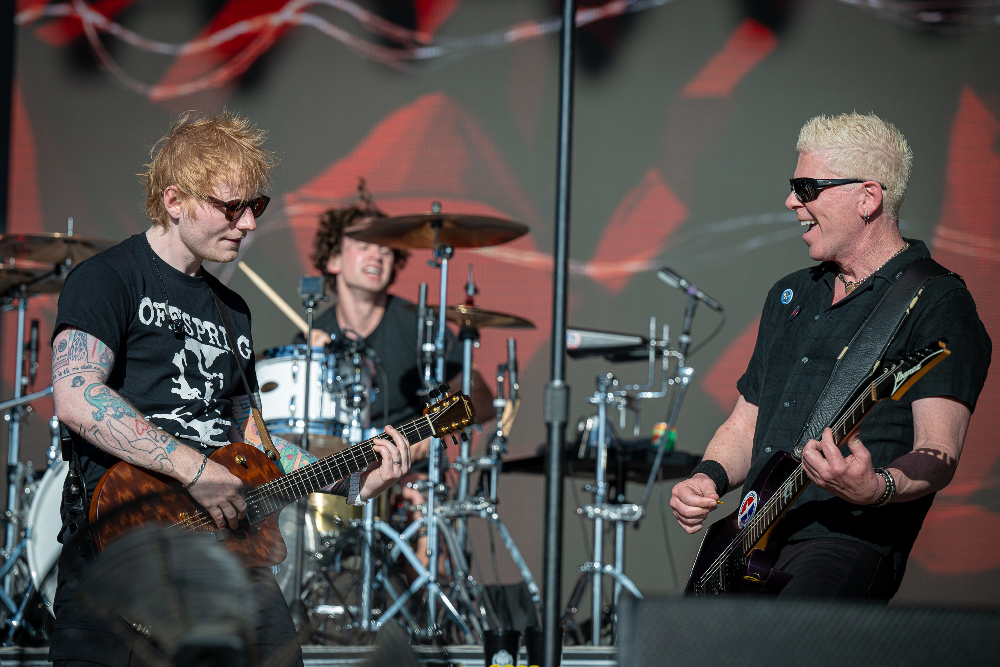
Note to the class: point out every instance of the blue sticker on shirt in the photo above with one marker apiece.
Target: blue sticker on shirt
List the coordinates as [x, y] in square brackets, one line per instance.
[786, 296]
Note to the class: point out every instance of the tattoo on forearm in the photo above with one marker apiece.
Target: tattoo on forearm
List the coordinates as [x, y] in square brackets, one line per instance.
[290, 457]
[116, 426]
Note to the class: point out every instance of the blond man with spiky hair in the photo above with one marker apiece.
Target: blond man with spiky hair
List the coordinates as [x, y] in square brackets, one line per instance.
[149, 357]
[849, 533]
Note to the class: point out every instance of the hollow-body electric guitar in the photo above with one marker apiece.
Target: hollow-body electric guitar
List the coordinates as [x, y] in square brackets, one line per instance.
[128, 496]
[738, 552]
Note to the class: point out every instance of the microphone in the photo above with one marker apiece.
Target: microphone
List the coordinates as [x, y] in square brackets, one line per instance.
[33, 352]
[674, 280]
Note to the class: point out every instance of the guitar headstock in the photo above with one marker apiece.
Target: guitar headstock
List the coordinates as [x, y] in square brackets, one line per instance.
[898, 379]
[450, 414]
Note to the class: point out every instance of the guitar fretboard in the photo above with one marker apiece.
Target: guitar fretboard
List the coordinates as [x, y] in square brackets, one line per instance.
[276, 494]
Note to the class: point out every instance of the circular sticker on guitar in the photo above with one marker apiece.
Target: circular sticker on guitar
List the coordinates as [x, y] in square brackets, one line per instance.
[747, 509]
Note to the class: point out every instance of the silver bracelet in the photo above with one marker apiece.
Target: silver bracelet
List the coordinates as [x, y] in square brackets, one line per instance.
[890, 487]
[204, 460]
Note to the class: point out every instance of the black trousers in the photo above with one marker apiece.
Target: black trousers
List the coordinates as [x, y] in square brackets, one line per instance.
[832, 567]
[81, 640]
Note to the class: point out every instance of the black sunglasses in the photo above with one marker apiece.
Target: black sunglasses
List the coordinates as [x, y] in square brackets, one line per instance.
[233, 209]
[807, 189]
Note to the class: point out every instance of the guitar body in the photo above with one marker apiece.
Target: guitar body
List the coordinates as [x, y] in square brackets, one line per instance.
[745, 573]
[128, 497]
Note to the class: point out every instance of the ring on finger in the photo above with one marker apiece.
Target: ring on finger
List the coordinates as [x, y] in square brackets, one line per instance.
[397, 463]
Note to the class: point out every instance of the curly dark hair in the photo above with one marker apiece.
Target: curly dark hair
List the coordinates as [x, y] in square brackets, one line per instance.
[330, 237]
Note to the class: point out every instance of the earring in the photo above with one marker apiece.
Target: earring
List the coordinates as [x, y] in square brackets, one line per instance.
[865, 216]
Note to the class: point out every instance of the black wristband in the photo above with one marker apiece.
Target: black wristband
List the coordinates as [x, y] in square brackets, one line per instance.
[716, 473]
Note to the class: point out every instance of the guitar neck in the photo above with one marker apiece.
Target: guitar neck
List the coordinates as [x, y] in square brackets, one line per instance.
[276, 494]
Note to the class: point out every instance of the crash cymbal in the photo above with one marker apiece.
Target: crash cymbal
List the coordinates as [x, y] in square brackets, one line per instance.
[51, 248]
[456, 230]
[37, 277]
[477, 318]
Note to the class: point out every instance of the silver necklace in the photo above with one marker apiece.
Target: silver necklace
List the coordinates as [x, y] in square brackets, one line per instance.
[851, 285]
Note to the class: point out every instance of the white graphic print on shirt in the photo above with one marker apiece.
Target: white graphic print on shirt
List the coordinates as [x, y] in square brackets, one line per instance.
[200, 375]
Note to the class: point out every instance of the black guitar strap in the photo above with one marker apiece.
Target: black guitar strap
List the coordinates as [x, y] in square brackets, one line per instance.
[863, 354]
[265, 436]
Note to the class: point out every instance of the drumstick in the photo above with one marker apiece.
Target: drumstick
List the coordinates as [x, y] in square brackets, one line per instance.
[275, 299]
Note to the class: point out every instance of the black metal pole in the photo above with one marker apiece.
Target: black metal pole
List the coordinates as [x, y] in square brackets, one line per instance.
[556, 392]
[8, 31]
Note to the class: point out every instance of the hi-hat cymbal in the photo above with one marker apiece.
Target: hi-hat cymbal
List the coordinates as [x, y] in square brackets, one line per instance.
[456, 230]
[51, 248]
[477, 318]
[37, 277]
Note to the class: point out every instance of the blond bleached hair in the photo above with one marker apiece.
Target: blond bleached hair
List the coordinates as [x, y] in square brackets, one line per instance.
[864, 146]
[201, 154]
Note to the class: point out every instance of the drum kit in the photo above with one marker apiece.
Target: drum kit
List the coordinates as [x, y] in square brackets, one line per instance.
[351, 570]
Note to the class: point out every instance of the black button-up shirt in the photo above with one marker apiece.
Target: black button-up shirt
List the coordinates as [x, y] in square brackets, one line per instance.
[800, 337]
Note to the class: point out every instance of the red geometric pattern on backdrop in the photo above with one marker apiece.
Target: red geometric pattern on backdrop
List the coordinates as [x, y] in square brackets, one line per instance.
[960, 535]
[746, 47]
[638, 230]
[720, 382]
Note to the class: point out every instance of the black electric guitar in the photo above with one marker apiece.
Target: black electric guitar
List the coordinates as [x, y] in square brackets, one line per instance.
[738, 552]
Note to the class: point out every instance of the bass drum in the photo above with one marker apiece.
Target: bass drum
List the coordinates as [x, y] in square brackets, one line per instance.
[44, 524]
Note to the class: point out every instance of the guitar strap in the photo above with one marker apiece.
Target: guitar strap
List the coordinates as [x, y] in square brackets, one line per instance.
[265, 437]
[863, 354]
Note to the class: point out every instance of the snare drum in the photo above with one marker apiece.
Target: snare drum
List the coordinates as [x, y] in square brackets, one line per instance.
[44, 524]
[340, 394]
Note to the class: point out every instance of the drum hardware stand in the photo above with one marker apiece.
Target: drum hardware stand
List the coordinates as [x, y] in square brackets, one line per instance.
[311, 292]
[465, 506]
[685, 374]
[610, 394]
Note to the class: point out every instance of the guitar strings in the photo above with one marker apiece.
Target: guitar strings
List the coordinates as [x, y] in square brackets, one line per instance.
[315, 473]
[775, 499]
[254, 498]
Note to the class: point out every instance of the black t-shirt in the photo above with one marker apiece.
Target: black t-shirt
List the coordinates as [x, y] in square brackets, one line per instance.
[801, 335]
[393, 345]
[183, 384]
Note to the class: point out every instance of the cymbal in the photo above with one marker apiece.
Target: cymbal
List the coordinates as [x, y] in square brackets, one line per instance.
[52, 248]
[477, 318]
[16, 272]
[456, 230]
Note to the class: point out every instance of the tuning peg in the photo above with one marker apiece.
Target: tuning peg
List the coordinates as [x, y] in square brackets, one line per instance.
[445, 388]
[465, 436]
[454, 440]
[433, 394]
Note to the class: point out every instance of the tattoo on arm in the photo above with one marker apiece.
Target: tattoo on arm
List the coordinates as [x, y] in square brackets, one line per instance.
[98, 413]
[290, 457]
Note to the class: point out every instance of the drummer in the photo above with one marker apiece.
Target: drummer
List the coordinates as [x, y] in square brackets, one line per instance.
[359, 275]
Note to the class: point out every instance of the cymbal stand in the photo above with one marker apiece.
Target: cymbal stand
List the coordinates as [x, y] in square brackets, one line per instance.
[442, 256]
[14, 439]
[470, 338]
[311, 291]
[485, 508]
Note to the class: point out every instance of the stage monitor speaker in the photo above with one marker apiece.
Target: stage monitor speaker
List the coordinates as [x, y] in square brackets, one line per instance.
[757, 631]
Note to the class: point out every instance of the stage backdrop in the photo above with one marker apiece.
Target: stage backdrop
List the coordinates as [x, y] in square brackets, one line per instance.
[687, 112]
